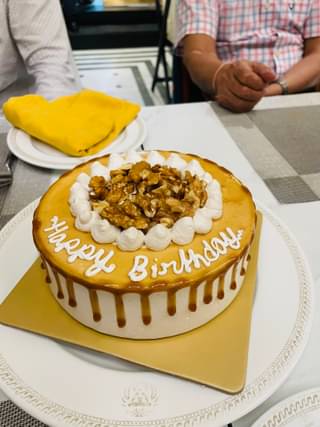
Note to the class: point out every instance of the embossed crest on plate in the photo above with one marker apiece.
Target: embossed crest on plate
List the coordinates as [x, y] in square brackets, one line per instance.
[140, 399]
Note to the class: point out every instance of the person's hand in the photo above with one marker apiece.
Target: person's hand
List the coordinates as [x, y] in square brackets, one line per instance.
[273, 89]
[241, 84]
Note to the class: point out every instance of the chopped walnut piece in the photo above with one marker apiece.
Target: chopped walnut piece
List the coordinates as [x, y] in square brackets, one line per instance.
[167, 221]
[141, 224]
[98, 185]
[131, 209]
[139, 171]
[153, 178]
[142, 196]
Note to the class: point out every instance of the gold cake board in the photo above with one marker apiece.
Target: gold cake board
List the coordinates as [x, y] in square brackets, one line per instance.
[215, 354]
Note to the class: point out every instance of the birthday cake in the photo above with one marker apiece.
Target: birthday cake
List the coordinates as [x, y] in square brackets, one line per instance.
[145, 244]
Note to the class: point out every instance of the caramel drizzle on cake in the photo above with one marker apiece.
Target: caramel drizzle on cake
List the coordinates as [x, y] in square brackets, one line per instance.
[171, 302]
[233, 284]
[220, 293]
[96, 312]
[44, 267]
[193, 298]
[146, 311]
[70, 288]
[207, 297]
[59, 291]
[243, 270]
[121, 316]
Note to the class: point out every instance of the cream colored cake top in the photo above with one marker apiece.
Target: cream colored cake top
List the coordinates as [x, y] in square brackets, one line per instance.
[78, 254]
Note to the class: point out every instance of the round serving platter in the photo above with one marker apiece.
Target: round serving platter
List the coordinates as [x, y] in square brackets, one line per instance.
[66, 386]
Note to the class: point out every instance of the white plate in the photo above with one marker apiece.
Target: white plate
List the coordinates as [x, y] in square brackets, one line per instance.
[37, 153]
[66, 386]
[300, 410]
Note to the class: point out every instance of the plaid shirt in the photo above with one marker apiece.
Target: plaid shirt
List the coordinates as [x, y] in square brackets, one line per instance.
[268, 31]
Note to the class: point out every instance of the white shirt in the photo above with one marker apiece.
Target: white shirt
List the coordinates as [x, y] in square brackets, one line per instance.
[35, 53]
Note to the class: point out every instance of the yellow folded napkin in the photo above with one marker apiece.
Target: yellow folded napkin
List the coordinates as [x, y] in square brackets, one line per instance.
[79, 125]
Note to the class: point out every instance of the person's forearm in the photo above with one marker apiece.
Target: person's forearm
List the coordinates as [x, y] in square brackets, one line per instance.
[301, 76]
[304, 74]
[201, 61]
[202, 67]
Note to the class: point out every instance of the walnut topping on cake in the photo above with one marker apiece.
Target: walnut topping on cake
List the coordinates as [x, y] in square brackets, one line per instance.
[141, 195]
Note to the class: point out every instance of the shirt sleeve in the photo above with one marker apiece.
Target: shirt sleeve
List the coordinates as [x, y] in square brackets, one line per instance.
[312, 23]
[38, 29]
[196, 17]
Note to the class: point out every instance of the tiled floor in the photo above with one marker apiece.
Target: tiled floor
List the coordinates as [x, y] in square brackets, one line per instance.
[124, 73]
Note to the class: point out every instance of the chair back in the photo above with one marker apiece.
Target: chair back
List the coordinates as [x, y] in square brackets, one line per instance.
[171, 21]
[184, 90]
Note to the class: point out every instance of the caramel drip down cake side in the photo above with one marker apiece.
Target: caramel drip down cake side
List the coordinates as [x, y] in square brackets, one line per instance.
[207, 289]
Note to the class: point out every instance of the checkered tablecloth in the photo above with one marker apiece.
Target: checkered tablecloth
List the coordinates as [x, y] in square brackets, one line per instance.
[283, 146]
[12, 416]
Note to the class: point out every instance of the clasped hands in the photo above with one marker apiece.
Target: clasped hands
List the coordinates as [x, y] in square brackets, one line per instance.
[241, 84]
